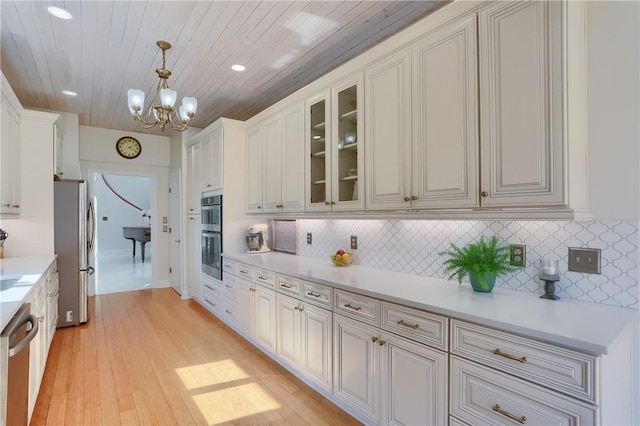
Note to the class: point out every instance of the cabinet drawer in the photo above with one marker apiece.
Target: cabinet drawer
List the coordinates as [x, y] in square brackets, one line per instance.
[480, 395]
[230, 313]
[212, 289]
[231, 288]
[362, 308]
[214, 304]
[564, 370]
[230, 266]
[245, 271]
[424, 327]
[288, 285]
[265, 278]
[317, 294]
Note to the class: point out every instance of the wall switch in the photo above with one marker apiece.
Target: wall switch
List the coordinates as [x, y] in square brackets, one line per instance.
[517, 255]
[69, 316]
[164, 228]
[309, 238]
[354, 242]
[164, 219]
[105, 218]
[584, 260]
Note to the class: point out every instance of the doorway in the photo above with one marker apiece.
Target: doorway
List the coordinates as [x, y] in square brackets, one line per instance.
[123, 254]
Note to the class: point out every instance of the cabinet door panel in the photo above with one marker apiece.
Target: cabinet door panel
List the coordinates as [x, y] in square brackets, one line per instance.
[318, 155]
[265, 325]
[356, 358]
[387, 132]
[246, 308]
[445, 135]
[414, 383]
[194, 257]
[288, 330]
[254, 170]
[272, 184]
[293, 160]
[316, 349]
[521, 110]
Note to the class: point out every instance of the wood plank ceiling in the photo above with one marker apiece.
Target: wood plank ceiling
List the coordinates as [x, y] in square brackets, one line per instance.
[110, 46]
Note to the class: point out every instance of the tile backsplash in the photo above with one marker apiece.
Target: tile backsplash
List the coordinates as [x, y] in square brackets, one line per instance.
[412, 246]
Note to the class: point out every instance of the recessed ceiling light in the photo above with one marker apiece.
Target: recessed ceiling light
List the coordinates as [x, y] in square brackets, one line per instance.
[59, 13]
[238, 67]
[69, 93]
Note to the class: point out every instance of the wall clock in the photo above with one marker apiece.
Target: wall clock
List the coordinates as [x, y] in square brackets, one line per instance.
[128, 147]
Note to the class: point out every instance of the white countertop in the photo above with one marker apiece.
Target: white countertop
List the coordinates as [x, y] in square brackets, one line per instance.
[29, 269]
[587, 327]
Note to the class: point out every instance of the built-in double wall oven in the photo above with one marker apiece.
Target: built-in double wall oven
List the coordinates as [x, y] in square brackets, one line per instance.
[211, 246]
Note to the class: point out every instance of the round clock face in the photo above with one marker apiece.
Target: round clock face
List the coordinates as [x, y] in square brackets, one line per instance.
[128, 147]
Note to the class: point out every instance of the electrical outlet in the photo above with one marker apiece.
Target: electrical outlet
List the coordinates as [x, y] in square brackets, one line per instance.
[69, 316]
[354, 242]
[309, 238]
[584, 260]
[517, 255]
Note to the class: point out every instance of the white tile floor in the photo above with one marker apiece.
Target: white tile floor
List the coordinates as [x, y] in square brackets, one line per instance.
[117, 273]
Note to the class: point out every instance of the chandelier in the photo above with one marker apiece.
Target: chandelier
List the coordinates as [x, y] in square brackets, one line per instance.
[161, 111]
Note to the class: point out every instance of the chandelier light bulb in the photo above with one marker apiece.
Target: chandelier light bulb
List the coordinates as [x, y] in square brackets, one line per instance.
[135, 98]
[168, 97]
[183, 113]
[190, 105]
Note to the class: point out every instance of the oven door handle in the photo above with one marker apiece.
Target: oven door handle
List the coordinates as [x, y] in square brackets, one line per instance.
[15, 349]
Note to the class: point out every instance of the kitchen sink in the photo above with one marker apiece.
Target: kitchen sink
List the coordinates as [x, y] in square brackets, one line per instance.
[7, 282]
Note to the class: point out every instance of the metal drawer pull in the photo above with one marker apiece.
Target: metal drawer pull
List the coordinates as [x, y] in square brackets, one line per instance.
[228, 311]
[209, 287]
[226, 265]
[252, 289]
[262, 277]
[227, 286]
[355, 308]
[41, 318]
[298, 308]
[374, 339]
[285, 285]
[406, 324]
[515, 358]
[520, 420]
[243, 272]
[210, 302]
[382, 342]
[312, 294]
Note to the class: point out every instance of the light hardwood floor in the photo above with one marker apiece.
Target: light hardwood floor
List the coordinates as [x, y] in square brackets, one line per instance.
[147, 357]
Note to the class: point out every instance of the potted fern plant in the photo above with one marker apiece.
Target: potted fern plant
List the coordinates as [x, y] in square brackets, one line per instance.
[482, 260]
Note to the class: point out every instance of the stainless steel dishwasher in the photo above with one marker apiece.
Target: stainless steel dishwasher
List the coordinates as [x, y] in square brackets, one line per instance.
[22, 328]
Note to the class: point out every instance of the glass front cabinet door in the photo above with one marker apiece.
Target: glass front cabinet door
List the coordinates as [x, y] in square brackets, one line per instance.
[335, 144]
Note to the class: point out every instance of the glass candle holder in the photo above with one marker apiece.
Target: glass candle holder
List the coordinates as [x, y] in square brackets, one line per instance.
[549, 269]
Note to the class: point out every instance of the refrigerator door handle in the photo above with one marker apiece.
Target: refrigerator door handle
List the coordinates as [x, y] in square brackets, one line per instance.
[91, 218]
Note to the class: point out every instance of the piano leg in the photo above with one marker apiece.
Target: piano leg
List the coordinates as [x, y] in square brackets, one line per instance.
[142, 244]
[133, 240]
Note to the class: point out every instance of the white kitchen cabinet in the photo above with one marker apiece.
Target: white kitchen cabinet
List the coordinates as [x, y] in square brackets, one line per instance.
[292, 187]
[414, 383]
[254, 171]
[388, 132]
[304, 336]
[194, 257]
[9, 157]
[246, 308]
[272, 165]
[521, 110]
[193, 178]
[356, 373]
[433, 86]
[335, 141]
[52, 292]
[211, 165]
[265, 319]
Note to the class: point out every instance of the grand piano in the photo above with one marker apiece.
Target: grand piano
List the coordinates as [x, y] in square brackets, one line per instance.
[142, 234]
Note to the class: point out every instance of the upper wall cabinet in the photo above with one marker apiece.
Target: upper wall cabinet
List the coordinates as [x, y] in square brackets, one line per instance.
[193, 178]
[211, 162]
[10, 158]
[275, 162]
[334, 138]
[433, 163]
[521, 110]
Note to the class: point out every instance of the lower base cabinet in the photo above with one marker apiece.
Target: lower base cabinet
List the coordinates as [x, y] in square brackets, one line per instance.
[265, 318]
[387, 378]
[303, 339]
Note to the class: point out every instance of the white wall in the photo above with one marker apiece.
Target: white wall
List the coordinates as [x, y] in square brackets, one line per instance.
[113, 213]
[613, 57]
[98, 154]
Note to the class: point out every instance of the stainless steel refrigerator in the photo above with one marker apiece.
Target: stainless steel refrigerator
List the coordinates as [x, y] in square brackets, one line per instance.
[75, 229]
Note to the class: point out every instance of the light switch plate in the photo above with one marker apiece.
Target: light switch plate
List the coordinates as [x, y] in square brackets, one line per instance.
[309, 237]
[585, 260]
[354, 242]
